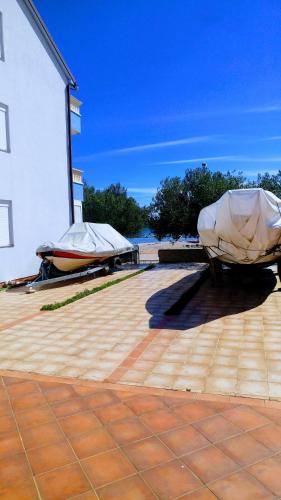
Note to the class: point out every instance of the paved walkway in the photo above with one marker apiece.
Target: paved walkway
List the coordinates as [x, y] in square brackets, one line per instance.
[225, 341]
[94, 441]
[16, 305]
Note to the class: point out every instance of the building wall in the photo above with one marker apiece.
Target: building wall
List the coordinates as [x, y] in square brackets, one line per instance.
[34, 174]
[77, 191]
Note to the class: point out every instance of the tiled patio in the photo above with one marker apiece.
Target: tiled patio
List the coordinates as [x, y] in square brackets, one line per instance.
[225, 340]
[16, 305]
[92, 440]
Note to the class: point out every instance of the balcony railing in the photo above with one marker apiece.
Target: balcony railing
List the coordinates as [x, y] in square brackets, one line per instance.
[77, 176]
[75, 115]
[75, 105]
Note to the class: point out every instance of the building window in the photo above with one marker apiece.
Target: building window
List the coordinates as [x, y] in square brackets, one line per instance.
[6, 229]
[2, 57]
[4, 129]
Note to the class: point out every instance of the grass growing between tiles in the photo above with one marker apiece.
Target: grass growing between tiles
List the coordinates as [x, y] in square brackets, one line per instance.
[91, 291]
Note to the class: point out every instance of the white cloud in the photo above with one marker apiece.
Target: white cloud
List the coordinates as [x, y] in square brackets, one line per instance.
[270, 108]
[227, 158]
[272, 138]
[149, 147]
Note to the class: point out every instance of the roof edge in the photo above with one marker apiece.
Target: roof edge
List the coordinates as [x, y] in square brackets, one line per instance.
[45, 32]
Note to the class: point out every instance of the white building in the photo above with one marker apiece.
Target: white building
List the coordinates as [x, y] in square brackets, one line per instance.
[36, 190]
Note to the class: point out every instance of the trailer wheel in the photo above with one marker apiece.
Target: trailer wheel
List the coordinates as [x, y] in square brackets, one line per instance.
[107, 270]
[116, 262]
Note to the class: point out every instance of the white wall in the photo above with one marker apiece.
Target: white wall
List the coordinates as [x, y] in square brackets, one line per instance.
[34, 175]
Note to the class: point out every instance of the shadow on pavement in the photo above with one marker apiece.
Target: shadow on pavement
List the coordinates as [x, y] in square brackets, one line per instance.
[238, 293]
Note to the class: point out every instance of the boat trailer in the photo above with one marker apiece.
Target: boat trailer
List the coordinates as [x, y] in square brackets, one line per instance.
[49, 275]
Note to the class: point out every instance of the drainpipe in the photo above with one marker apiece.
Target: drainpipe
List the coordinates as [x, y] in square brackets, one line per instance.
[69, 154]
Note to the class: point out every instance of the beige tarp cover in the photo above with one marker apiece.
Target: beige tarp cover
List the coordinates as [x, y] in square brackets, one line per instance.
[243, 226]
[87, 238]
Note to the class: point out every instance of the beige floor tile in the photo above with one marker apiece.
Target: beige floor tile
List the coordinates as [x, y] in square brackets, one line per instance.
[221, 385]
[258, 389]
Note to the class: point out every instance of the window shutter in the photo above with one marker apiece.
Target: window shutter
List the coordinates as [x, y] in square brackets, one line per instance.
[3, 131]
[5, 239]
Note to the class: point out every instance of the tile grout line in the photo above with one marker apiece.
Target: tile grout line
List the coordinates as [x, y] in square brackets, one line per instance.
[156, 436]
[138, 350]
[19, 321]
[194, 396]
[23, 446]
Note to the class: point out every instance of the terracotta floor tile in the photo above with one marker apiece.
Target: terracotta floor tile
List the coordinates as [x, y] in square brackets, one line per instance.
[143, 403]
[245, 417]
[41, 435]
[25, 490]
[89, 495]
[171, 480]
[202, 494]
[192, 412]
[161, 420]
[148, 453]
[62, 483]
[5, 408]
[65, 392]
[210, 463]
[272, 413]
[27, 387]
[49, 457]
[29, 401]
[48, 385]
[36, 416]
[184, 440]
[10, 444]
[244, 449]
[113, 412]
[269, 436]
[132, 488]
[100, 399]
[89, 444]
[13, 470]
[217, 428]
[128, 430]
[66, 408]
[107, 467]
[79, 423]
[83, 390]
[240, 485]
[268, 472]
[13, 380]
[7, 424]
[173, 402]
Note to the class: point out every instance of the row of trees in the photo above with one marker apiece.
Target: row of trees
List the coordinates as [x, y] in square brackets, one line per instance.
[113, 206]
[175, 208]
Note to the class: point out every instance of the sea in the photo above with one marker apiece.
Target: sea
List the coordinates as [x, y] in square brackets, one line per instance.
[147, 236]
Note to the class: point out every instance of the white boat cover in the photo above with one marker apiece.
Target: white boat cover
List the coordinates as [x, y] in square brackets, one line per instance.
[87, 238]
[243, 226]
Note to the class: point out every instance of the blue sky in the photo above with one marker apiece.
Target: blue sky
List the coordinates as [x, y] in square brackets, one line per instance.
[167, 84]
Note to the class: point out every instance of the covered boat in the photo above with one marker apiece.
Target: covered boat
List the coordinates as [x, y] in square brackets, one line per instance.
[83, 244]
[242, 227]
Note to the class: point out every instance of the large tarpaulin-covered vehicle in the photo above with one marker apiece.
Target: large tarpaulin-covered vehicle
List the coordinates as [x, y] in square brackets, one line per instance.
[242, 227]
[84, 244]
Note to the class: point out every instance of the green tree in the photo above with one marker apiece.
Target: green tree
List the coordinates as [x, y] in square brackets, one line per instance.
[203, 187]
[270, 182]
[175, 208]
[113, 206]
[167, 212]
